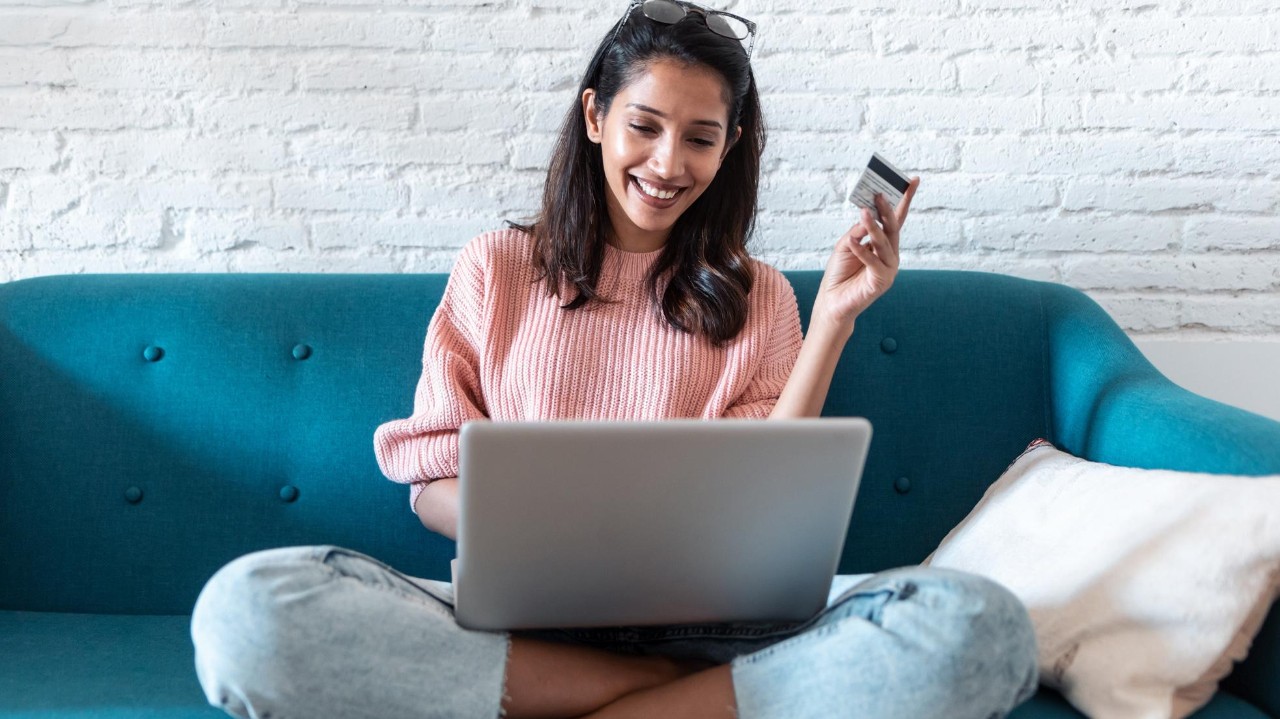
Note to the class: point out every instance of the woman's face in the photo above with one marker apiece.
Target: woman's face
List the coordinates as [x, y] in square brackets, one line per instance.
[662, 142]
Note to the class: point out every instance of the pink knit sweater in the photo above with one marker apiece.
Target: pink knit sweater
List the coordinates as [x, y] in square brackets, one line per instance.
[498, 347]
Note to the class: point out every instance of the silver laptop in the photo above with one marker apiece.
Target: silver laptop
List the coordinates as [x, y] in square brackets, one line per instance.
[589, 523]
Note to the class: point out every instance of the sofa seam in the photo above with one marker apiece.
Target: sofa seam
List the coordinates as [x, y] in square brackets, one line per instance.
[1044, 367]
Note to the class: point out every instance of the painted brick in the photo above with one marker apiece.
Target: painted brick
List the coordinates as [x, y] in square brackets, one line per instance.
[1235, 312]
[1125, 146]
[1150, 312]
[286, 30]
[447, 192]
[1182, 113]
[27, 68]
[962, 113]
[1103, 233]
[1163, 194]
[789, 72]
[813, 113]
[408, 232]
[27, 151]
[1174, 36]
[345, 194]
[1232, 233]
[1197, 273]
[462, 150]
[86, 111]
[167, 151]
[983, 33]
[295, 113]
[220, 233]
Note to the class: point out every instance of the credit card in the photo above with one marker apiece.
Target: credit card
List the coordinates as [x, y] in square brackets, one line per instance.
[880, 176]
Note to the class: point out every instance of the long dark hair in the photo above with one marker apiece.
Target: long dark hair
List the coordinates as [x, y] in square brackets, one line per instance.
[706, 250]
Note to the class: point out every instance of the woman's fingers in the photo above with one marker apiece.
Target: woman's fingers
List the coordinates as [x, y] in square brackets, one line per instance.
[857, 232]
[886, 233]
[878, 238]
[905, 205]
[891, 222]
[874, 243]
[881, 248]
[864, 253]
[886, 241]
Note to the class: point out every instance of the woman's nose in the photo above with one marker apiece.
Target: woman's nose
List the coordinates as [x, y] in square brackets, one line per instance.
[667, 160]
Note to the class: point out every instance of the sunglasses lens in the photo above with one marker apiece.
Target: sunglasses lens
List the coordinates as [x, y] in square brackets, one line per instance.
[662, 11]
[727, 26]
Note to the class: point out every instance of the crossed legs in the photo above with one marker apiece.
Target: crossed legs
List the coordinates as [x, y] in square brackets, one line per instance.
[546, 680]
[325, 631]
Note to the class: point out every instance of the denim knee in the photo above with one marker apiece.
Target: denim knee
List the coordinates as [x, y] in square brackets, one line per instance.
[236, 626]
[992, 640]
[907, 642]
[323, 631]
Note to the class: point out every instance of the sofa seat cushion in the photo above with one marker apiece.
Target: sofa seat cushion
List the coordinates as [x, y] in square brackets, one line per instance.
[112, 666]
[105, 666]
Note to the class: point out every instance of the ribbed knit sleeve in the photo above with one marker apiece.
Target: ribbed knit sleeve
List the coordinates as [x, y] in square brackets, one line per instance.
[783, 349]
[424, 447]
[499, 348]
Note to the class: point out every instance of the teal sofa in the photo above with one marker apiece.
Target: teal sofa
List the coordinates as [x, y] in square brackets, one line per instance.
[153, 427]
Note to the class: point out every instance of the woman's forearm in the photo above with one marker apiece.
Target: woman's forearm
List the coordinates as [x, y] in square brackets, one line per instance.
[806, 389]
[437, 507]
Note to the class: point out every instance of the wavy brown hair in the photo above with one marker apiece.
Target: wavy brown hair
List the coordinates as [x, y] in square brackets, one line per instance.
[706, 251]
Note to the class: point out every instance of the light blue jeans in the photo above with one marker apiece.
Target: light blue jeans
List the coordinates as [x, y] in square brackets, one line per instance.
[322, 631]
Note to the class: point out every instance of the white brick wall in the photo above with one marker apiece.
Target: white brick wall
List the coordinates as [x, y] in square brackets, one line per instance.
[1130, 149]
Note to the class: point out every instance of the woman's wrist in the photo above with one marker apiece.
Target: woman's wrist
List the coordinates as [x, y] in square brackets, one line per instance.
[830, 331]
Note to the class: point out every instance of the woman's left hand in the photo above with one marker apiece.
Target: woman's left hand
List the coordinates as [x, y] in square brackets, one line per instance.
[857, 275]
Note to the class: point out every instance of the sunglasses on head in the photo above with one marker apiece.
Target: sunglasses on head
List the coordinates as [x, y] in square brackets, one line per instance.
[722, 23]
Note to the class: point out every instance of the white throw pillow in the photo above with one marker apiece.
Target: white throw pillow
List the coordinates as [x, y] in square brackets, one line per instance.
[1145, 586]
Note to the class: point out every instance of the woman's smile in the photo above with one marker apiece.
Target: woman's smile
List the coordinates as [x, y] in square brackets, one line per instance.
[657, 195]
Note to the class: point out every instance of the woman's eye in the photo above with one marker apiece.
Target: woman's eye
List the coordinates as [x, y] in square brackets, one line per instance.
[703, 142]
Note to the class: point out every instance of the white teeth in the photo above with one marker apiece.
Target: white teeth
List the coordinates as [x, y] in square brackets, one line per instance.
[652, 191]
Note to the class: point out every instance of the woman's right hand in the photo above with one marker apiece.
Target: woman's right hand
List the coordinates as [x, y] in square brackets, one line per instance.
[857, 275]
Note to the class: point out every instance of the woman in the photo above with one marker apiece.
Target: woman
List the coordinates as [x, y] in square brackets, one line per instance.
[632, 296]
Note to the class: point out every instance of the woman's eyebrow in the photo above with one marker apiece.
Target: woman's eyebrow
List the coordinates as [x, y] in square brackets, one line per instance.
[663, 115]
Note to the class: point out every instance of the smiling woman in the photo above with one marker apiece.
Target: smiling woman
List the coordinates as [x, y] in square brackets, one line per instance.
[630, 296]
[660, 150]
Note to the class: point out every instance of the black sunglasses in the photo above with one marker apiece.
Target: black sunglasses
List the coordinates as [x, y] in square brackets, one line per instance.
[722, 23]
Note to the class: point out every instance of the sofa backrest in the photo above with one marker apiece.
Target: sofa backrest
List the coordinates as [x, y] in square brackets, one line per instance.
[155, 426]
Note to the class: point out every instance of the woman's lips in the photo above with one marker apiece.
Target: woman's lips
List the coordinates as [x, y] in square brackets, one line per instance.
[651, 200]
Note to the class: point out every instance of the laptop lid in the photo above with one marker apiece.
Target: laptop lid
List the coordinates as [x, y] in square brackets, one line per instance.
[580, 523]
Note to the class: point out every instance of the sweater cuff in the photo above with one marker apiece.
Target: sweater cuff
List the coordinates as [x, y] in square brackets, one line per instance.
[415, 490]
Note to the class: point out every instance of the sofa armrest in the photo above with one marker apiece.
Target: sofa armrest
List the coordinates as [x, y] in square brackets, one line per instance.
[1109, 404]
[1148, 421]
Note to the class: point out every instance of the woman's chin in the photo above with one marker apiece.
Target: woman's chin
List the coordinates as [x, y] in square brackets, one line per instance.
[653, 227]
